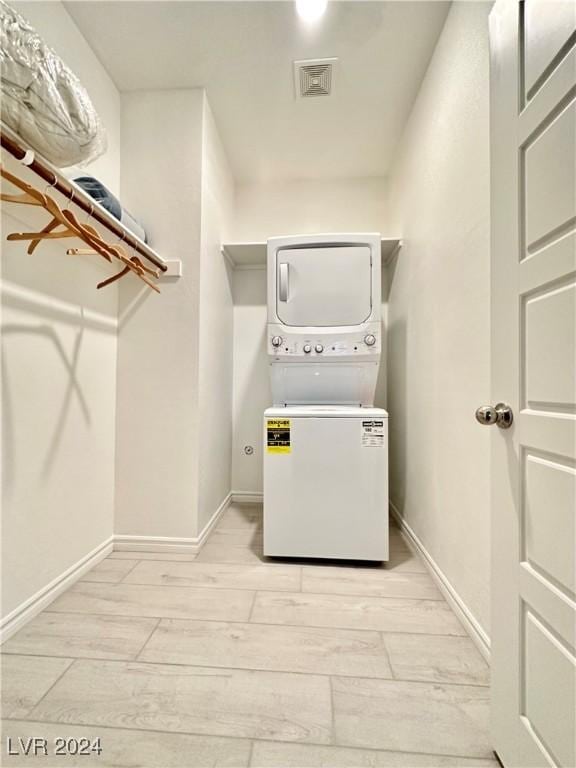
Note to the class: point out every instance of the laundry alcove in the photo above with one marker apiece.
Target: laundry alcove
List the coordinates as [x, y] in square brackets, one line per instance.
[133, 421]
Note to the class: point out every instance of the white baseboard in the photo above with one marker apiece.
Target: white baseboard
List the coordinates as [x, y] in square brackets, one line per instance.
[168, 544]
[38, 602]
[459, 607]
[247, 497]
[213, 520]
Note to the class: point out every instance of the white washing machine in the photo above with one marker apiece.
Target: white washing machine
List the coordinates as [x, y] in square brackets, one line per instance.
[325, 445]
[326, 482]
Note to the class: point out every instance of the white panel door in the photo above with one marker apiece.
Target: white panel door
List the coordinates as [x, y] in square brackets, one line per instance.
[324, 286]
[533, 138]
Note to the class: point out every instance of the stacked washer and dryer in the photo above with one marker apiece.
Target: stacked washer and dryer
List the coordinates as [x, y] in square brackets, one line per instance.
[325, 445]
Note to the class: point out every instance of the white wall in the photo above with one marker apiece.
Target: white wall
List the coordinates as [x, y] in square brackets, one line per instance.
[58, 370]
[309, 206]
[157, 425]
[262, 211]
[174, 427]
[439, 305]
[251, 378]
[216, 326]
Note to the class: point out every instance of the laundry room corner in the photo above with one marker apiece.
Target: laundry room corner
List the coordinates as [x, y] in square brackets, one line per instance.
[439, 317]
[171, 135]
[264, 209]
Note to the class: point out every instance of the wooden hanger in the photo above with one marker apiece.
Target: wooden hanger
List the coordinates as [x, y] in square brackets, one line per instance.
[24, 199]
[31, 196]
[48, 228]
[81, 252]
[128, 268]
[131, 264]
[110, 280]
[42, 235]
[64, 218]
[134, 264]
[137, 260]
[92, 237]
[72, 227]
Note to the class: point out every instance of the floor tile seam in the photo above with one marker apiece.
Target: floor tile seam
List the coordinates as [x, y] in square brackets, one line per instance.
[51, 687]
[250, 754]
[264, 589]
[253, 526]
[364, 569]
[428, 683]
[273, 563]
[376, 749]
[264, 623]
[365, 597]
[231, 566]
[232, 668]
[43, 721]
[145, 643]
[387, 652]
[250, 738]
[136, 564]
[180, 665]
[314, 570]
[374, 597]
[222, 621]
[251, 611]
[195, 586]
[465, 636]
[332, 712]
[288, 565]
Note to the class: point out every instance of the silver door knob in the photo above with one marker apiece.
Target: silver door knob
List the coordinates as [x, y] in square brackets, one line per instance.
[500, 414]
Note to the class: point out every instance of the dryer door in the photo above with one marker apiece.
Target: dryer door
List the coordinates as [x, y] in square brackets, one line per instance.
[328, 286]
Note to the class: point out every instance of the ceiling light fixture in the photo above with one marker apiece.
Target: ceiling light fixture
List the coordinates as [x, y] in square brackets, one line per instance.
[311, 10]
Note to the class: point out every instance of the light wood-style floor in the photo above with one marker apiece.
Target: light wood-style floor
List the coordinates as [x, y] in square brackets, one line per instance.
[225, 659]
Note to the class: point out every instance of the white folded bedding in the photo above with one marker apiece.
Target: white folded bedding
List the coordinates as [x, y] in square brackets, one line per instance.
[42, 100]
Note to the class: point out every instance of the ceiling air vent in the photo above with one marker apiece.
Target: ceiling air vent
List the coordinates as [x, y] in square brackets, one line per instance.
[314, 77]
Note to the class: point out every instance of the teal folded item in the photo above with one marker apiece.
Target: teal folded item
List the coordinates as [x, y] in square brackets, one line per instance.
[107, 200]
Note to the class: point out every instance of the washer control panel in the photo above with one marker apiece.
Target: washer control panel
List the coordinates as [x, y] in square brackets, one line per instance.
[299, 344]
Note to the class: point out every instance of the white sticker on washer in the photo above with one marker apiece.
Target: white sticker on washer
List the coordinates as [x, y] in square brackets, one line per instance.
[373, 434]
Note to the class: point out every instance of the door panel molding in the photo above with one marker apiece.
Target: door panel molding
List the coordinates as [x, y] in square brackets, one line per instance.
[533, 206]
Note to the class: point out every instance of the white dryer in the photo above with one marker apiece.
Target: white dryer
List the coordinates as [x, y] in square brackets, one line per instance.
[325, 446]
[324, 318]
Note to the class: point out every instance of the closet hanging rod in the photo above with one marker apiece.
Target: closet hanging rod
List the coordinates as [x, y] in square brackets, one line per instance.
[80, 198]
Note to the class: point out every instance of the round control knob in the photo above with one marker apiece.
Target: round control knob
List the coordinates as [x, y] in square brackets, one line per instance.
[307, 348]
[276, 341]
[319, 348]
[370, 340]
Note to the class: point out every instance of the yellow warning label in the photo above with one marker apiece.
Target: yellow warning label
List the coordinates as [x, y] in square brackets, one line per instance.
[278, 436]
